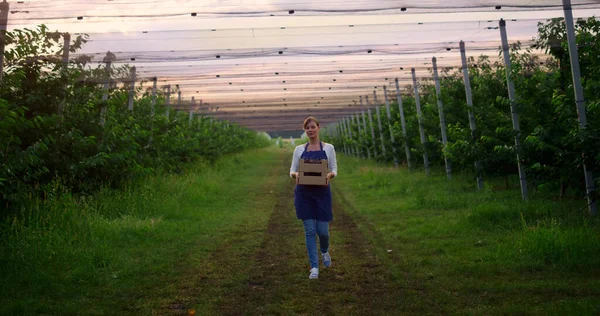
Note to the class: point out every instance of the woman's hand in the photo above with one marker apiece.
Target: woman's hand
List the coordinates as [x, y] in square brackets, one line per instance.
[330, 176]
[296, 176]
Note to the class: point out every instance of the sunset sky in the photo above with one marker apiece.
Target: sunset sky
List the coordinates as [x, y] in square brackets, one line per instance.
[319, 50]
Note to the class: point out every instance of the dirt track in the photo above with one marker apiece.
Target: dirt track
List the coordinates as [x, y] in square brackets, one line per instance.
[277, 281]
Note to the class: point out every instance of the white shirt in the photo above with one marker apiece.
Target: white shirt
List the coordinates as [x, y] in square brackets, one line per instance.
[329, 151]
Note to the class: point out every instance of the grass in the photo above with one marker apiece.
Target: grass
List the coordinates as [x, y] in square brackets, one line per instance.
[127, 251]
[476, 252]
[272, 279]
[223, 239]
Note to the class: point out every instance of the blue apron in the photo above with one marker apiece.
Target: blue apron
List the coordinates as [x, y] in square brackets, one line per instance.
[313, 201]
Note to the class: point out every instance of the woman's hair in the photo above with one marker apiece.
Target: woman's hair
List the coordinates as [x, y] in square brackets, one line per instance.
[310, 119]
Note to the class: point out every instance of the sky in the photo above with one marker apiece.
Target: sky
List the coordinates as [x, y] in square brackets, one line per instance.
[322, 56]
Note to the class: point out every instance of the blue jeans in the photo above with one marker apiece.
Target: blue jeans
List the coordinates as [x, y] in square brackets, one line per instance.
[312, 228]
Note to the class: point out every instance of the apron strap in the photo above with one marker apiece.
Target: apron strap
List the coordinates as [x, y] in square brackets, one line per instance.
[306, 146]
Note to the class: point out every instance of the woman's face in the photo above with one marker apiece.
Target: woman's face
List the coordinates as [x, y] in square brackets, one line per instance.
[311, 129]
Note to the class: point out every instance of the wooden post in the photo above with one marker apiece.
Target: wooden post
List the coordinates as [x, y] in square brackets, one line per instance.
[153, 102]
[379, 124]
[403, 123]
[362, 109]
[66, 48]
[192, 105]
[351, 123]
[467, 82]
[579, 100]
[4, 8]
[389, 118]
[356, 118]
[513, 108]
[349, 129]
[343, 138]
[108, 60]
[372, 127]
[347, 137]
[438, 93]
[65, 62]
[420, 118]
[131, 88]
[168, 101]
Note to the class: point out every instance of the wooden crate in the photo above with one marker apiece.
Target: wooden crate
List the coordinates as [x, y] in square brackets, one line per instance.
[312, 172]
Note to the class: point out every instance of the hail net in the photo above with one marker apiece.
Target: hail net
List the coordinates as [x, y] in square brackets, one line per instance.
[269, 64]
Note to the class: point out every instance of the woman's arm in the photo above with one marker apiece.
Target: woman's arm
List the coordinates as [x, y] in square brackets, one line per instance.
[331, 161]
[295, 163]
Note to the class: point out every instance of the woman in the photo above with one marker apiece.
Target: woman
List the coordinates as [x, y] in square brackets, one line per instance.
[313, 202]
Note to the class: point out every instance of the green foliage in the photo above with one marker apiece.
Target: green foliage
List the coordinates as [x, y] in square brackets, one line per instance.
[553, 147]
[57, 253]
[52, 131]
[554, 244]
[441, 231]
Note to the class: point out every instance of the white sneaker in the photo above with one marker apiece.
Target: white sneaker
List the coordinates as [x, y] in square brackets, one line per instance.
[326, 259]
[314, 273]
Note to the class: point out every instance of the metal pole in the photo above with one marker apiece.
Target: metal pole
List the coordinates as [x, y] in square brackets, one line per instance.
[513, 108]
[4, 8]
[403, 122]
[153, 102]
[389, 118]
[131, 88]
[438, 93]
[379, 123]
[467, 82]
[372, 127]
[579, 100]
[362, 109]
[179, 97]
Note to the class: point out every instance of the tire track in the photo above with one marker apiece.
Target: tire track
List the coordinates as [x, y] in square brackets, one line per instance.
[205, 282]
[357, 283]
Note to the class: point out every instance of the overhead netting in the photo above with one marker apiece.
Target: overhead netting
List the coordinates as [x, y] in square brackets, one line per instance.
[269, 64]
[72, 9]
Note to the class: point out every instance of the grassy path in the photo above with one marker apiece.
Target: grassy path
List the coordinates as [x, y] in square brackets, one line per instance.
[224, 240]
[457, 250]
[220, 240]
[274, 279]
[141, 250]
